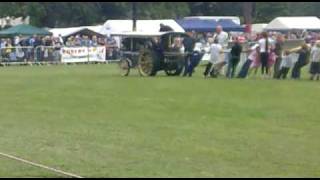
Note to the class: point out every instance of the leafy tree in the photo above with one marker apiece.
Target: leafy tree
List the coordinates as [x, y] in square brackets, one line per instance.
[66, 14]
[266, 11]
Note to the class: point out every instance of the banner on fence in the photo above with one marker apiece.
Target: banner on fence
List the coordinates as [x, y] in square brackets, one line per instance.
[83, 54]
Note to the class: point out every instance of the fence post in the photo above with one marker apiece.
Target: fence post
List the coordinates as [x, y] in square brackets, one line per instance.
[88, 54]
[1, 55]
[35, 54]
[61, 53]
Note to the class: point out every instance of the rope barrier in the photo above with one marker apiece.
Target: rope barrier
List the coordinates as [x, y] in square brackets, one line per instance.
[40, 165]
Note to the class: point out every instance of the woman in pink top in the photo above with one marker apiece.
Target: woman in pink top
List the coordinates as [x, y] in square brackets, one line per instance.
[253, 56]
[271, 61]
[256, 63]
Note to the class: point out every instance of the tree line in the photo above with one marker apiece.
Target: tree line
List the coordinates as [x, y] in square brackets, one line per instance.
[66, 14]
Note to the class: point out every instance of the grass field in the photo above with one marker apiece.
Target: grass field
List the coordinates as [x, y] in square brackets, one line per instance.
[88, 120]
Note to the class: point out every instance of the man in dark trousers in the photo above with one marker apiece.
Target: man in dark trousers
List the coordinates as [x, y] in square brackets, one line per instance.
[235, 58]
[195, 58]
[188, 43]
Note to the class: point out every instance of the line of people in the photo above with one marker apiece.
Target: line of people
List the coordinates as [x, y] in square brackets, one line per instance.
[267, 53]
[264, 54]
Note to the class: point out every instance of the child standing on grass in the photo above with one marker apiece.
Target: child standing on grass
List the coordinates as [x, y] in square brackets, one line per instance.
[256, 63]
[285, 65]
[271, 61]
[234, 59]
[315, 61]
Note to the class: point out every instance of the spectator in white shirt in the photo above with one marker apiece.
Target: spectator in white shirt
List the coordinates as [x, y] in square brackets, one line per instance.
[315, 61]
[223, 39]
[215, 50]
[17, 40]
[221, 36]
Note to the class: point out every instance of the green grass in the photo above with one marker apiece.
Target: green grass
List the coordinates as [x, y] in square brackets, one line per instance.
[88, 120]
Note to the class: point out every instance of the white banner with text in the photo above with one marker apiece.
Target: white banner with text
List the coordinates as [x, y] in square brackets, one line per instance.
[83, 54]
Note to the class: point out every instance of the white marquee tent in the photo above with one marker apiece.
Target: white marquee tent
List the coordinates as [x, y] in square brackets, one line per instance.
[67, 31]
[294, 23]
[258, 28]
[147, 26]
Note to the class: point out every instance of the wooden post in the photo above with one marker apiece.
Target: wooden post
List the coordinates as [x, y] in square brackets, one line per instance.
[134, 16]
[247, 9]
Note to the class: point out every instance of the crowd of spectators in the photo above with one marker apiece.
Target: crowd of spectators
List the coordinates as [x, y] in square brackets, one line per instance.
[48, 47]
[37, 47]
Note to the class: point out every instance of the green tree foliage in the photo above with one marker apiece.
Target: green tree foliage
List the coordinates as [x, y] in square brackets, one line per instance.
[162, 10]
[64, 14]
[266, 11]
[215, 8]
